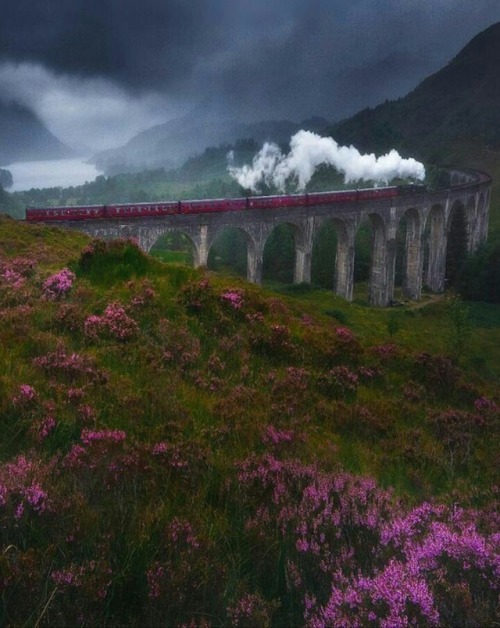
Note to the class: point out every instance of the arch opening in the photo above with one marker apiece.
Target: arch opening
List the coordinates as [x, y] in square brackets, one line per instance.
[324, 255]
[229, 251]
[174, 246]
[456, 249]
[363, 252]
[278, 262]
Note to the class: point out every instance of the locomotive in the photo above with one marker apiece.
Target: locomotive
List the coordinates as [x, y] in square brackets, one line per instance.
[168, 208]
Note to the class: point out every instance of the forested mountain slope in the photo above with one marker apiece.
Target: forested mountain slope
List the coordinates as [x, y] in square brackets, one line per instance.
[460, 101]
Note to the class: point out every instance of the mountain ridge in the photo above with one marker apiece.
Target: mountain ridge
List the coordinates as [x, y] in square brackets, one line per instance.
[24, 137]
[460, 100]
[170, 144]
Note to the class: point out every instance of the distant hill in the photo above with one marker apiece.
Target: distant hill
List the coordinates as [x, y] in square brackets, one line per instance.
[169, 145]
[462, 100]
[23, 137]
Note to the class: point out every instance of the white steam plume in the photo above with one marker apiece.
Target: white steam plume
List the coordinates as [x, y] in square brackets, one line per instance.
[308, 150]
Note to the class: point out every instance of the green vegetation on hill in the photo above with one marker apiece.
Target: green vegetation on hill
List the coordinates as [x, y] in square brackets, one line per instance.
[459, 101]
[185, 448]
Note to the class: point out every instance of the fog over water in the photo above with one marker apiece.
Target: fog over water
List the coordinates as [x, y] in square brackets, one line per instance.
[51, 173]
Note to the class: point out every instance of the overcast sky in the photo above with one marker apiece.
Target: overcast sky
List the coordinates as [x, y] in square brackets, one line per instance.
[98, 71]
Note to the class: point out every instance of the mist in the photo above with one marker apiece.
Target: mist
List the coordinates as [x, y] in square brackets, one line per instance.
[308, 151]
[86, 113]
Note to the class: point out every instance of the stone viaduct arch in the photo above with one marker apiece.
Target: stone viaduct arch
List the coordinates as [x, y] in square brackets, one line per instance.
[425, 213]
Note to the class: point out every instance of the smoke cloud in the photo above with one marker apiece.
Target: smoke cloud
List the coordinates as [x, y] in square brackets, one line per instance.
[307, 151]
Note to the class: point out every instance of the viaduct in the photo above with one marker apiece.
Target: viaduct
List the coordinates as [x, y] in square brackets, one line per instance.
[428, 217]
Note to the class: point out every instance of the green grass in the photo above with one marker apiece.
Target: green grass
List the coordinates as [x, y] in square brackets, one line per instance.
[204, 382]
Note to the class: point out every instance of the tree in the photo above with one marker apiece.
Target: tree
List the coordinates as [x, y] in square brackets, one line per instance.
[479, 278]
[6, 179]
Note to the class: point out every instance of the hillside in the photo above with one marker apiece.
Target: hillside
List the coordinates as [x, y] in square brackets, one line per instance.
[183, 448]
[23, 137]
[459, 101]
[169, 145]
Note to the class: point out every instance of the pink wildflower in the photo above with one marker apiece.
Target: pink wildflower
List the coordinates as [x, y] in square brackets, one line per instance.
[89, 437]
[25, 395]
[233, 298]
[58, 285]
[272, 436]
[46, 428]
[344, 334]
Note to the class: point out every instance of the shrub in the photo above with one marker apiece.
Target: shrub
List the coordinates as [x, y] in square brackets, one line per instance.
[340, 316]
[58, 285]
[114, 322]
[109, 262]
[479, 279]
[339, 382]
[352, 555]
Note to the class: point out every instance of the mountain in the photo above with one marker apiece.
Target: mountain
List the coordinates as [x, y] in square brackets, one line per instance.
[462, 100]
[23, 137]
[168, 145]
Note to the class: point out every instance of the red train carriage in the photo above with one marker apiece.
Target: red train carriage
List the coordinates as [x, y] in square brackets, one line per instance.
[141, 210]
[326, 198]
[275, 202]
[34, 214]
[213, 205]
[138, 210]
[375, 193]
[89, 212]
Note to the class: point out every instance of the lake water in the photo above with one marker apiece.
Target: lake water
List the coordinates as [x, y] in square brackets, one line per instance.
[49, 174]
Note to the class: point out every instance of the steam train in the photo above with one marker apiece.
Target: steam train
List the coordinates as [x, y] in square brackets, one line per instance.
[142, 210]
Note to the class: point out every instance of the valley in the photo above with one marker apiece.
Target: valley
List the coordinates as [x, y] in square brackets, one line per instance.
[181, 447]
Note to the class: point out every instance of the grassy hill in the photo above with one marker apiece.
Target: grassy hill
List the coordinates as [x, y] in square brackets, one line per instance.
[182, 448]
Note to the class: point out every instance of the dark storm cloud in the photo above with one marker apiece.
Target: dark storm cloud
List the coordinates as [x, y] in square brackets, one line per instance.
[250, 58]
[137, 43]
[335, 57]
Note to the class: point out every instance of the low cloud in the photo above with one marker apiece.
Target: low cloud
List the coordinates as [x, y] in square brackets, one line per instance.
[87, 114]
